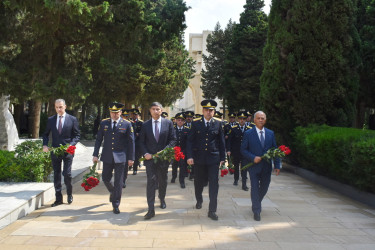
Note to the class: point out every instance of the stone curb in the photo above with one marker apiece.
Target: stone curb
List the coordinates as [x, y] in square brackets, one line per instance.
[344, 189]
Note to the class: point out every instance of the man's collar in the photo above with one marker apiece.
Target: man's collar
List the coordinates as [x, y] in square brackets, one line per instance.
[63, 115]
[205, 121]
[258, 130]
[159, 120]
[116, 120]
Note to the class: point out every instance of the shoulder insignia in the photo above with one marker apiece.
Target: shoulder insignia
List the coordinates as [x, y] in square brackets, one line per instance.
[106, 119]
[140, 120]
[131, 129]
[249, 127]
[253, 123]
[217, 119]
[234, 126]
[197, 119]
[187, 127]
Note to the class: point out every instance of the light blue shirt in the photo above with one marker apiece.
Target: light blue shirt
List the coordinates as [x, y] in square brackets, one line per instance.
[159, 125]
[62, 120]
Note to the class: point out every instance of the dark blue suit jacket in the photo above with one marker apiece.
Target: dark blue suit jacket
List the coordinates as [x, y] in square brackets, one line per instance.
[147, 142]
[69, 134]
[118, 145]
[251, 147]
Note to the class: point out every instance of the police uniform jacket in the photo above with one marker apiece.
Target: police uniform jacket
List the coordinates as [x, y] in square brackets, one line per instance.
[182, 137]
[206, 145]
[118, 144]
[235, 139]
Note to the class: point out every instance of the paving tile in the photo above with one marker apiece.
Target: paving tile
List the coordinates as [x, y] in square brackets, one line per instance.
[167, 243]
[110, 243]
[310, 246]
[246, 245]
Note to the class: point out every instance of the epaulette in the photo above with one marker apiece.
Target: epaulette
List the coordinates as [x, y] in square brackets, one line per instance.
[234, 126]
[140, 120]
[197, 119]
[249, 127]
[187, 127]
[217, 119]
[106, 119]
[253, 123]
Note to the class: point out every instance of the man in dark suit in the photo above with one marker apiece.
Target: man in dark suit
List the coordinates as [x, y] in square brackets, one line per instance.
[206, 150]
[65, 130]
[181, 134]
[118, 149]
[256, 142]
[234, 148]
[156, 134]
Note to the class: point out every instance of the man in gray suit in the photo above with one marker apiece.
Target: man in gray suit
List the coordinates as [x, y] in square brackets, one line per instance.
[118, 148]
[156, 134]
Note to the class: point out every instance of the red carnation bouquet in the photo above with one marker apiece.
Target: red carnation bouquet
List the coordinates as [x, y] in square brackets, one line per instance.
[223, 170]
[90, 179]
[271, 154]
[167, 154]
[60, 151]
[231, 167]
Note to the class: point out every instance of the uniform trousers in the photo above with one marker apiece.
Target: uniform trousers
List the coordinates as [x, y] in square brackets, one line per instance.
[203, 173]
[157, 177]
[236, 161]
[67, 173]
[116, 189]
[260, 178]
[183, 170]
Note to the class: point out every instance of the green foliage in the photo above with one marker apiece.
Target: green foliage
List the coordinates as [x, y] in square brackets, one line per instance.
[218, 44]
[366, 29]
[310, 65]
[344, 154]
[30, 164]
[244, 62]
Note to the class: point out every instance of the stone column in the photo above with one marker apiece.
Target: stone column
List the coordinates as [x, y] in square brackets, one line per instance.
[8, 130]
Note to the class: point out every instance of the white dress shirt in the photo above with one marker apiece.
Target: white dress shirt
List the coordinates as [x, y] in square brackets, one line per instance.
[62, 120]
[115, 121]
[159, 125]
[264, 133]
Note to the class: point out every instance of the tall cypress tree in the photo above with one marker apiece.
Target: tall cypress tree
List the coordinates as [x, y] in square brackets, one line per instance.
[311, 63]
[244, 62]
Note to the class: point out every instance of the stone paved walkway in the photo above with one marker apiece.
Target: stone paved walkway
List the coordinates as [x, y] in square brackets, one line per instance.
[296, 215]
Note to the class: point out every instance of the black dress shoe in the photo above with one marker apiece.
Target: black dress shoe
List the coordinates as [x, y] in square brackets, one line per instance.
[130, 167]
[235, 183]
[198, 205]
[116, 210]
[150, 214]
[213, 215]
[173, 180]
[124, 185]
[245, 188]
[257, 217]
[56, 203]
[134, 172]
[70, 199]
[182, 185]
[162, 204]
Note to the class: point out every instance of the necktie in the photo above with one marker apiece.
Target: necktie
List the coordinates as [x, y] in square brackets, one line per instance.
[207, 125]
[156, 131]
[114, 126]
[60, 125]
[261, 139]
[242, 129]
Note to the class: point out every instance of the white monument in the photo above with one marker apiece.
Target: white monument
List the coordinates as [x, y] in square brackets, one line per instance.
[193, 95]
[8, 130]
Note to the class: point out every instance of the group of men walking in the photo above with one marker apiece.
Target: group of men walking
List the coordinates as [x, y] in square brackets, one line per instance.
[206, 141]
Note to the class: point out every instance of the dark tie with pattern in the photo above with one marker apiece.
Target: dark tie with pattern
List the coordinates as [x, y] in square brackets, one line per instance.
[208, 125]
[60, 125]
[156, 131]
[261, 138]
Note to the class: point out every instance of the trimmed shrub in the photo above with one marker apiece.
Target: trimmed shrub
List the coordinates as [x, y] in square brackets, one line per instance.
[27, 163]
[344, 154]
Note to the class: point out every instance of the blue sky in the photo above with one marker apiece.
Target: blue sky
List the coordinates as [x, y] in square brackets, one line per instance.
[204, 14]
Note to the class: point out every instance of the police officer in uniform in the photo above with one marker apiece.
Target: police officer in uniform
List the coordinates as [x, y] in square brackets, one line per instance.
[189, 118]
[137, 130]
[248, 120]
[206, 151]
[164, 115]
[118, 149]
[126, 116]
[234, 148]
[181, 134]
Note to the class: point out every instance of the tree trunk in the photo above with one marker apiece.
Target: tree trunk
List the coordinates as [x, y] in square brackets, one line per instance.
[34, 118]
[18, 113]
[51, 107]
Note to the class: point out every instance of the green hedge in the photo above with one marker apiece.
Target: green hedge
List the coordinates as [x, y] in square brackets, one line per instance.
[344, 154]
[27, 164]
